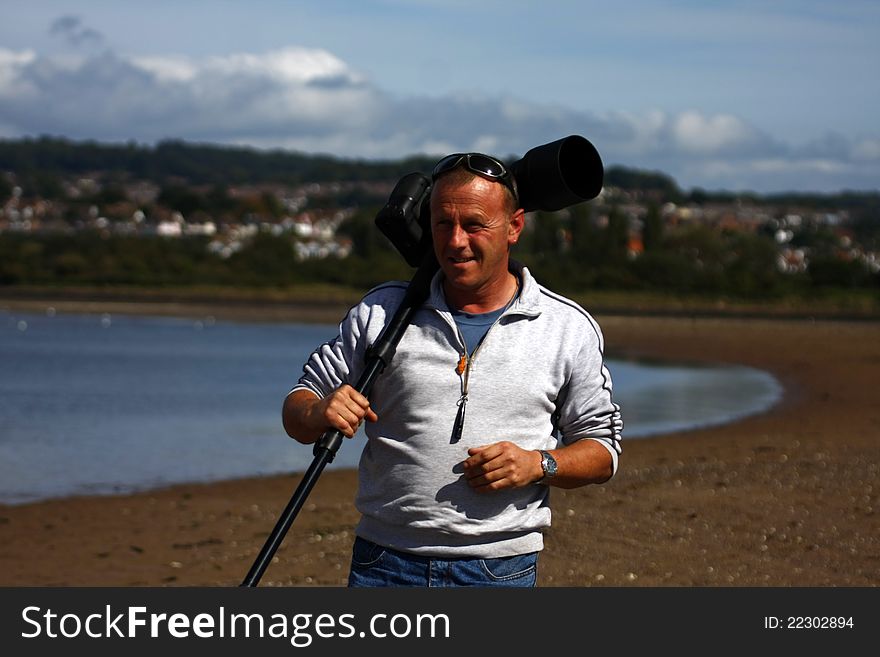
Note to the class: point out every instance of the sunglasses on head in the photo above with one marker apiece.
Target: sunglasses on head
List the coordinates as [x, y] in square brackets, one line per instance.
[482, 165]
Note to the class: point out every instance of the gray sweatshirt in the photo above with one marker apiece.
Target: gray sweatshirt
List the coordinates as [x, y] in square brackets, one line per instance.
[538, 378]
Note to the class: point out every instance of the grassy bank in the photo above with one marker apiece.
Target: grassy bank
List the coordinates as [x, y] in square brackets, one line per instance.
[329, 301]
[851, 304]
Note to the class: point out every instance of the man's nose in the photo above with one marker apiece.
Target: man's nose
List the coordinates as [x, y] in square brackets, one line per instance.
[457, 236]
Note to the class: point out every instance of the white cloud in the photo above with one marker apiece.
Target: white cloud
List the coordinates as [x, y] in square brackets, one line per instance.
[11, 64]
[111, 97]
[285, 66]
[311, 100]
[696, 133]
[867, 149]
[169, 69]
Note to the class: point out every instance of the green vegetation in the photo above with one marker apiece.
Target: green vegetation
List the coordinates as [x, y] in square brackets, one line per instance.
[40, 161]
[644, 244]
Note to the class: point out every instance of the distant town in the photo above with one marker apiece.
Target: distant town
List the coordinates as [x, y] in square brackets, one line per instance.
[51, 188]
[139, 209]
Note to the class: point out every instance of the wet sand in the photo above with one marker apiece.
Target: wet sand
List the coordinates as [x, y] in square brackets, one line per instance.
[785, 498]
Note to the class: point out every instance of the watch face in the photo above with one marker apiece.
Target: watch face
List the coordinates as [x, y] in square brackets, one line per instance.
[548, 464]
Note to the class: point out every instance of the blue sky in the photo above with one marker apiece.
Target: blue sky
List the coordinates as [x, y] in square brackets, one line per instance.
[766, 96]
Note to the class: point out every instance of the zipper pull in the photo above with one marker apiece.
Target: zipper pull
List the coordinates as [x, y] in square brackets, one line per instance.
[462, 364]
[459, 420]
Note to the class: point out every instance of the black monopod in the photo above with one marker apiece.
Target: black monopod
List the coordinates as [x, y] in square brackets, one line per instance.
[377, 358]
[549, 178]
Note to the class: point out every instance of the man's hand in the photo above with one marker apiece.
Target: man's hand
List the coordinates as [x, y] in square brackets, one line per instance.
[506, 465]
[344, 409]
[501, 465]
[306, 417]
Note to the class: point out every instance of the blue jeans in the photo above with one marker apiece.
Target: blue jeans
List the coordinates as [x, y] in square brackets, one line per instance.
[374, 565]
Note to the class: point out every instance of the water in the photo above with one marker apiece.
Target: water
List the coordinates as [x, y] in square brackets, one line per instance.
[657, 399]
[94, 404]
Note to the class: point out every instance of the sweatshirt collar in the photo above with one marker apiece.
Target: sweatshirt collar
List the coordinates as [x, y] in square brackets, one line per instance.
[527, 303]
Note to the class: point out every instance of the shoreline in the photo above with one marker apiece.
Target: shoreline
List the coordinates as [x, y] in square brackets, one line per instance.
[326, 305]
[787, 497]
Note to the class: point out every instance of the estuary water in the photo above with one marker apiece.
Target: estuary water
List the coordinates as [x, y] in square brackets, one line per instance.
[100, 404]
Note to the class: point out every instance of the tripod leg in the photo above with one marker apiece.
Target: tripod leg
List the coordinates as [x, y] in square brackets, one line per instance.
[287, 517]
[327, 446]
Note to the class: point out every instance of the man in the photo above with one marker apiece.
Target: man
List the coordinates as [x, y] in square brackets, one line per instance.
[463, 424]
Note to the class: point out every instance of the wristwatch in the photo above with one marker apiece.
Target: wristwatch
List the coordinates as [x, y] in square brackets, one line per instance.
[548, 465]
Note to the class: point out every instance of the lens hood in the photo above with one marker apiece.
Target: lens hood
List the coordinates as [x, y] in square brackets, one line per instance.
[558, 174]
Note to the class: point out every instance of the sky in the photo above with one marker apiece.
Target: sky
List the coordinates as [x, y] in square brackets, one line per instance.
[746, 95]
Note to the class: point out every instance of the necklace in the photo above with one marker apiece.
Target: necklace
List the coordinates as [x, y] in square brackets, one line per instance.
[515, 292]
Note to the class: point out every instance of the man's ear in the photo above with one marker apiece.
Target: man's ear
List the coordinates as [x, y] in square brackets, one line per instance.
[517, 221]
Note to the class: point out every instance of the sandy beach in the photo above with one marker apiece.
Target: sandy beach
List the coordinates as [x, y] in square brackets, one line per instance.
[790, 497]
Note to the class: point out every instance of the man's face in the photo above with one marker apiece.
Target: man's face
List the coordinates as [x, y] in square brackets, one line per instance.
[473, 230]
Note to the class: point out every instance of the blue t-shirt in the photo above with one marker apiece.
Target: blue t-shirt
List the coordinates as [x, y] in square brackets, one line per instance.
[474, 326]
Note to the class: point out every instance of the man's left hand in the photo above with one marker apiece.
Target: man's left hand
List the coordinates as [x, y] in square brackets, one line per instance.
[501, 465]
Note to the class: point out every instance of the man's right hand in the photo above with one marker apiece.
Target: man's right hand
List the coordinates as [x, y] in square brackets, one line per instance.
[306, 417]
